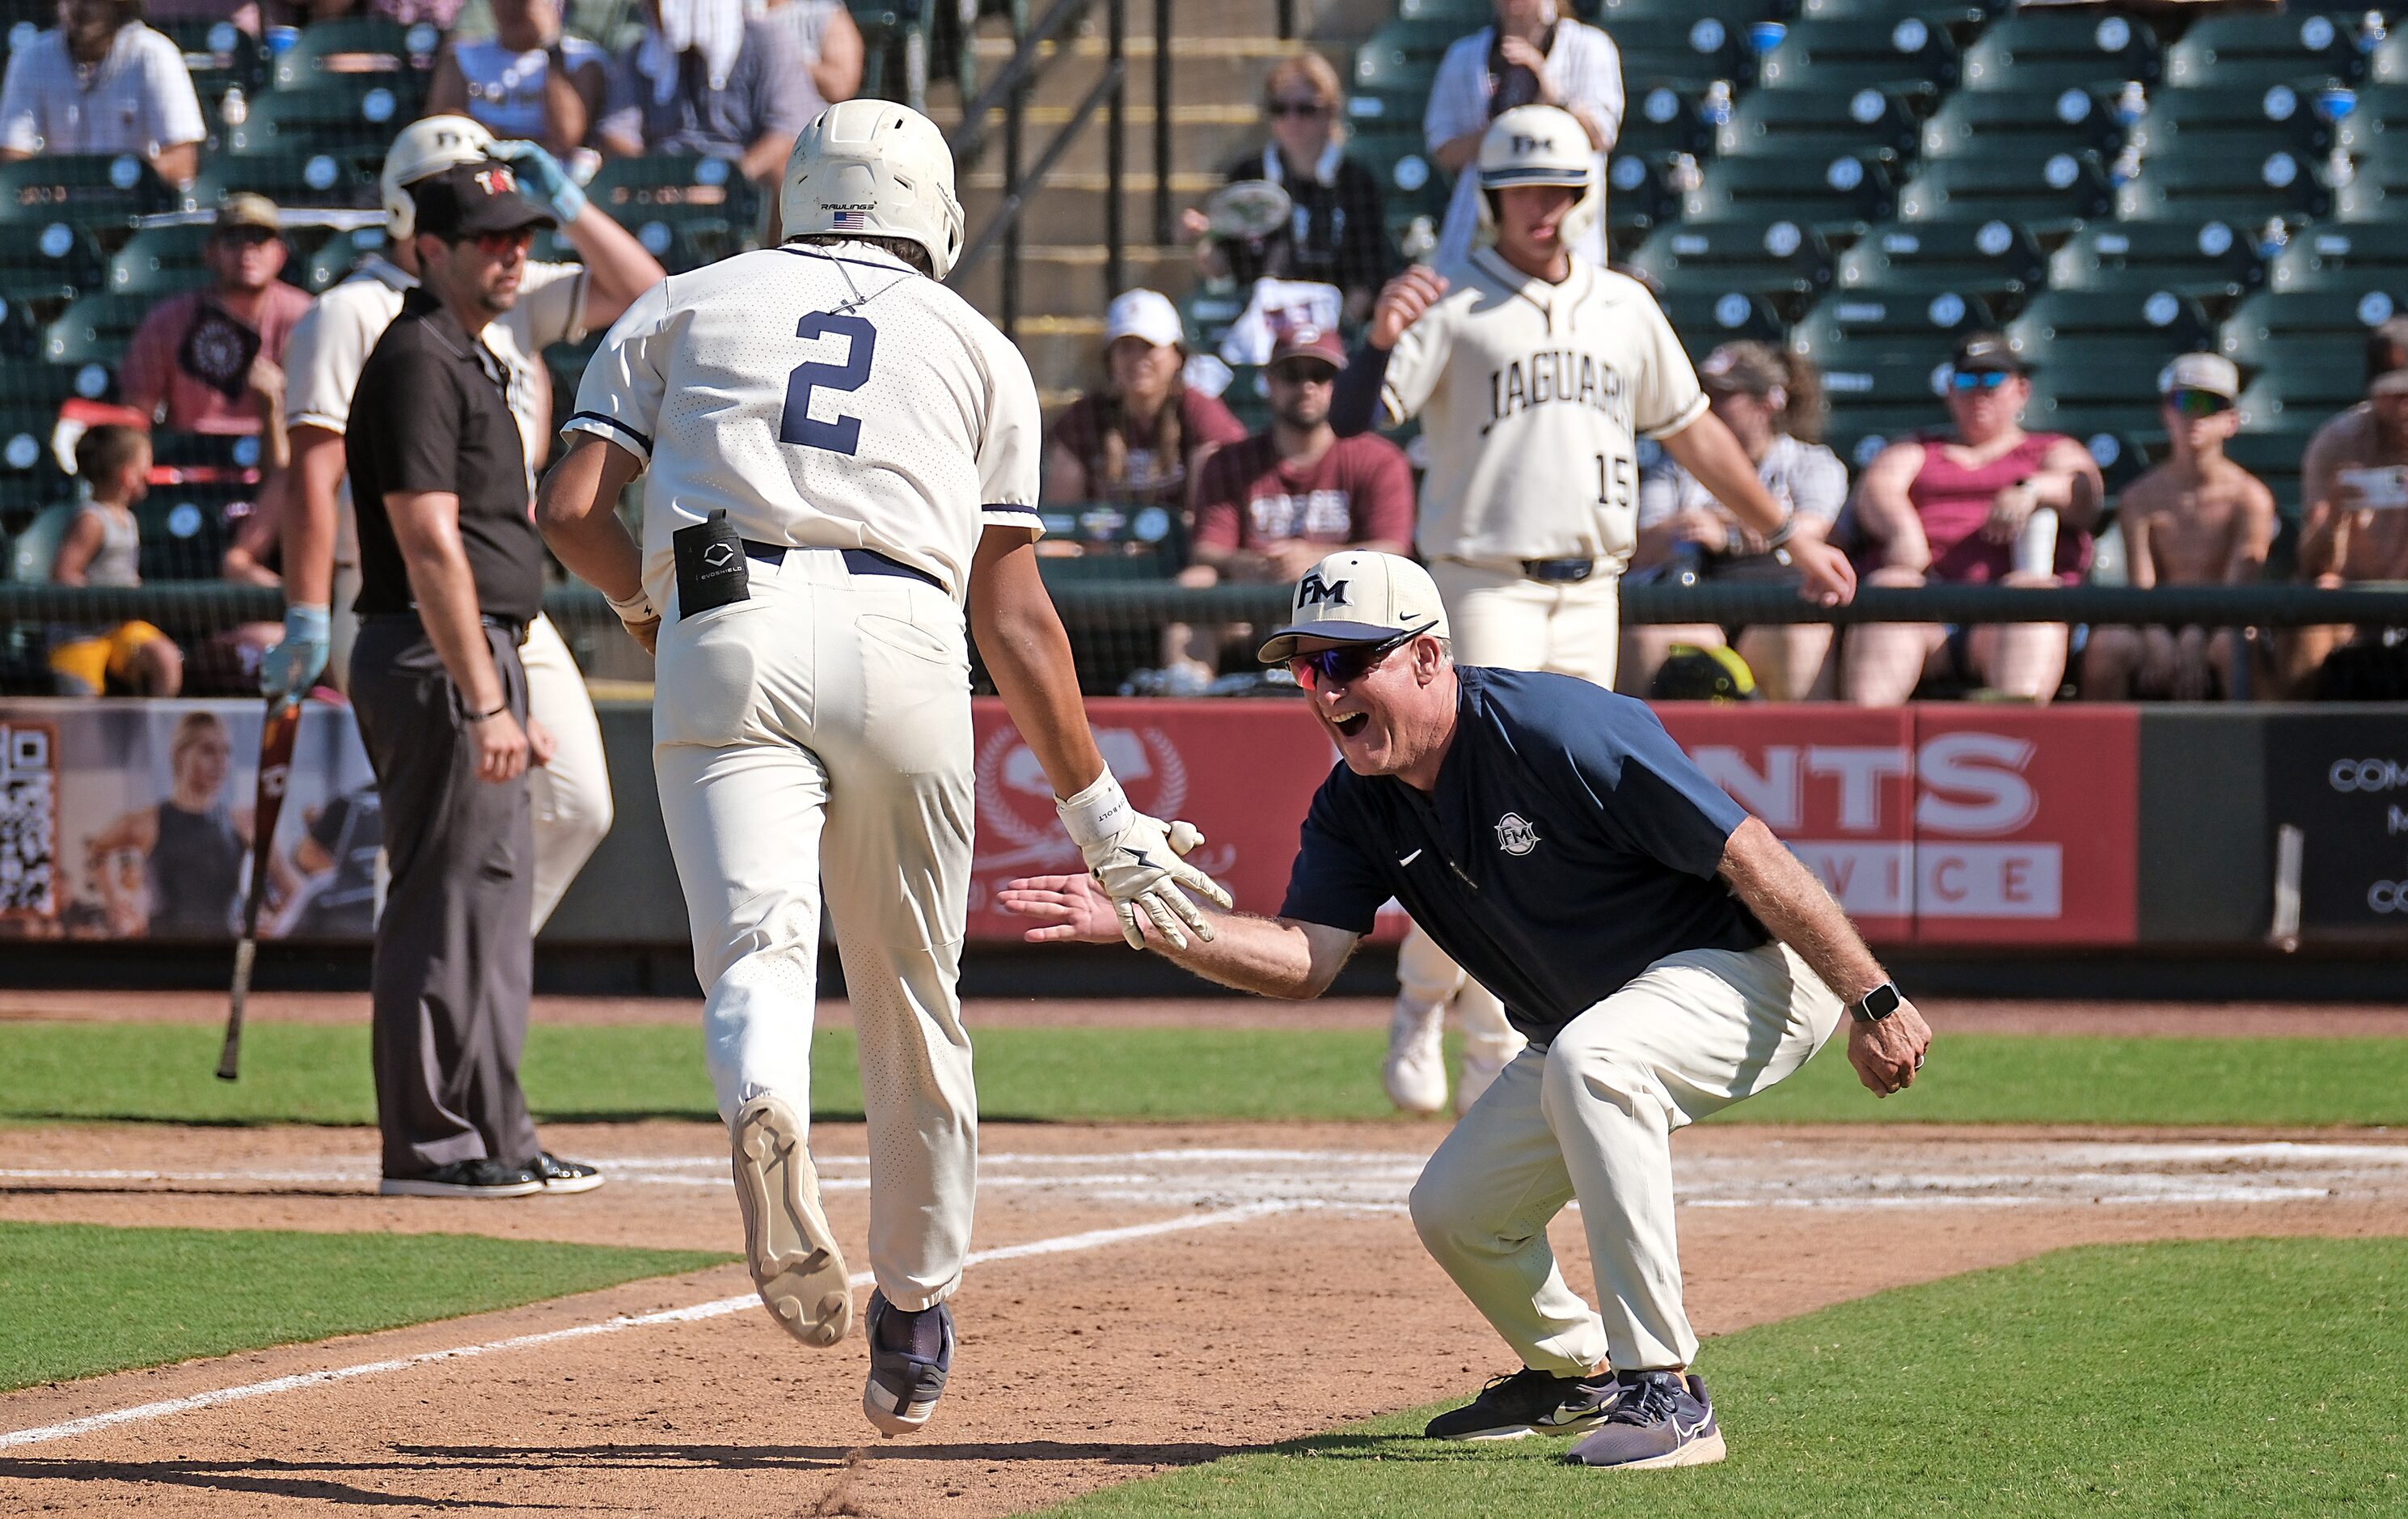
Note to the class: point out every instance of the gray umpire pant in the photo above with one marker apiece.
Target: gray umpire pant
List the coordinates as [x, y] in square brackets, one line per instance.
[455, 958]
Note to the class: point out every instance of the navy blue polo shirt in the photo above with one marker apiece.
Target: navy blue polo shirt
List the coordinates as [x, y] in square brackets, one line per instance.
[1569, 846]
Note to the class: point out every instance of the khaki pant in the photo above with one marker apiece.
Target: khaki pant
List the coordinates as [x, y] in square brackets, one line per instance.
[1591, 1116]
[817, 737]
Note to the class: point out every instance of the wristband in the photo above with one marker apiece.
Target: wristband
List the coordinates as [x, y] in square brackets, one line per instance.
[489, 716]
[635, 609]
[1096, 813]
[1783, 534]
[311, 624]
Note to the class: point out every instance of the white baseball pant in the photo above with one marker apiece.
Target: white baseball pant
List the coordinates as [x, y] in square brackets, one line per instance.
[571, 795]
[815, 737]
[1500, 616]
[1591, 1116]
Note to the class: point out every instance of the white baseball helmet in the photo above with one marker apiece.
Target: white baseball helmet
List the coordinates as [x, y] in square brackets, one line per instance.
[426, 147]
[875, 168]
[1541, 145]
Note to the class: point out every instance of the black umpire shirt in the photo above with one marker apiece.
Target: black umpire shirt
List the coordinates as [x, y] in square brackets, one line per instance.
[1569, 846]
[432, 412]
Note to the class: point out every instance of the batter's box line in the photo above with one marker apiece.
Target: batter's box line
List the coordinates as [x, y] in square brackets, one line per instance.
[693, 1313]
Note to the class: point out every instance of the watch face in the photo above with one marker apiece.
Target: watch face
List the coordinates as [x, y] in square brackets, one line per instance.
[1880, 1001]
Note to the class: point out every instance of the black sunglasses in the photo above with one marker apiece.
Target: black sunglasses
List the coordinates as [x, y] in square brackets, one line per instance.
[1347, 662]
[2197, 404]
[1296, 107]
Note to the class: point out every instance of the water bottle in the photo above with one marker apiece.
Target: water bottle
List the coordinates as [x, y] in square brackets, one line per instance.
[2127, 166]
[2132, 103]
[1716, 106]
[1688, 565]
[2036, 544]
[1685, 176]
[2370, 32]
[2273, 239]
[2338, 169]
[235, 109]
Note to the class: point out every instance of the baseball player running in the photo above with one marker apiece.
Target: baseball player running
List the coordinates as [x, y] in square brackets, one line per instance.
[837, 450]
[557, 303]
[1664, 953]
[1534, 372]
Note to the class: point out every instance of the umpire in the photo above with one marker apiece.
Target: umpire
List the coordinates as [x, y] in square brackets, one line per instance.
[1665, 955]
[450, 573]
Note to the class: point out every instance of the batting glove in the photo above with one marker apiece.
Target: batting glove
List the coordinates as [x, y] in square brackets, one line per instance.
[292, 667]
[637, 615]
[545, 176]
[1135, 860]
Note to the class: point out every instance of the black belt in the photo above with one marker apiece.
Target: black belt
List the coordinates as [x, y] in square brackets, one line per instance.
[1559, 569]
[861, 562]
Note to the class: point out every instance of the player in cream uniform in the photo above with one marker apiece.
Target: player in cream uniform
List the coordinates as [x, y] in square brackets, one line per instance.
[557, 303]
[837, 453]
[1535, 374]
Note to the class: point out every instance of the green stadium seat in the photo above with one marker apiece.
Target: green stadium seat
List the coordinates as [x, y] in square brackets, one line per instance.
[1909, 55]
[355, 124]
[159, 261]
[1402, 50]
[1995, 261]
[1959, 15]
[1813, 127]
[2213, 260]
[1662, 122]
[46, 262]
[2303, 394]
[2274, 458]
[1613, 13]
[30, 551]
[1857, 430]
[1705, 320]
[2247, 121]
[204, 450]
[1843, 196]
[2036, 52]
[2282, 336]
[1468, 15]
[2035, 125]
[2089, 386]
[1639, 198]
[219, 56]
[2268, 49]
[30, 478]
[1388, 109]
[1685, 52]
[2046, 196]
[94, 330]
[1869, 322]
[2157, 321]
[1409, 180]
[354, 47]
[2378, 188]
[2213, 184]
[2377, 113]
[1785, 261]
[2344, 256]
[334, 259]
[317, 180]
[38, 386]
[94, 190]
[186, 528]
[1207, 313]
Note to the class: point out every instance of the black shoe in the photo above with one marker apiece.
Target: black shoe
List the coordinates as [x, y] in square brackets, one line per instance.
[558, 1174]
[1528, 1403]
[903, 1387]
[465, 1179]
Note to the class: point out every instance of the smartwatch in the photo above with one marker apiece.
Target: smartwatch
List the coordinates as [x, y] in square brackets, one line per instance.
[1876, 1005]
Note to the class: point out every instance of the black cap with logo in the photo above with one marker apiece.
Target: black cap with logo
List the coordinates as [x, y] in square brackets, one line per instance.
[468, 199]
[1985, 353]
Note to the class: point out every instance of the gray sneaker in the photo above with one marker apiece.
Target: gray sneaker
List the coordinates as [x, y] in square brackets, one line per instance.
[903, 1388]
[1528, 1402]
[1661, 1419]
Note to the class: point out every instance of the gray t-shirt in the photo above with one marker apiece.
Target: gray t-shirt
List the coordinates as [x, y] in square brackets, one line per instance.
[768, 90]
[1804, 478]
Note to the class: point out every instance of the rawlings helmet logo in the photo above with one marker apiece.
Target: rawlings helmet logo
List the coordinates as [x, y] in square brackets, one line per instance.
[1514, 835]
[1314, 591]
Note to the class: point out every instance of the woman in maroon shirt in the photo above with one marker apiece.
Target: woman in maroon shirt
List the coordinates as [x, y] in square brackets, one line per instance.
[1144, 436]
[1951, 510]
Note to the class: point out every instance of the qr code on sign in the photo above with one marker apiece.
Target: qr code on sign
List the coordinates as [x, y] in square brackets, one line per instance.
[29, 822]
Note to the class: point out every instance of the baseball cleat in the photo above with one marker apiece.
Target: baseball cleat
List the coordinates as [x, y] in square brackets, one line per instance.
[1414, 1072]
[1479, 1074]
[1528, 1402]
[903, 1387]
[787, 1241]
[1661, 1419]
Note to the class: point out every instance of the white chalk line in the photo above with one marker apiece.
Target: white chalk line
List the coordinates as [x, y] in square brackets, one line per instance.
[717, 1307]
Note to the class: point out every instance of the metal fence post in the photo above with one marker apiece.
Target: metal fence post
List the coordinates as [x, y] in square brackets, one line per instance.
[1163, 211]
[1115, 154]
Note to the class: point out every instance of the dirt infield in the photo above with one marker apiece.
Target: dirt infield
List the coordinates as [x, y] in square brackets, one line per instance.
[1150, 1297]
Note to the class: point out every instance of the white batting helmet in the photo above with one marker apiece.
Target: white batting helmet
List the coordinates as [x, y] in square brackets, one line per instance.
[426, 147]
[875, 168]
[1541, 145]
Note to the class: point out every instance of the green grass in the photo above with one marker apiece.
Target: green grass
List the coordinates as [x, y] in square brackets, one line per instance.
[79, 1299]
[314, 1074]
[2233, 1379]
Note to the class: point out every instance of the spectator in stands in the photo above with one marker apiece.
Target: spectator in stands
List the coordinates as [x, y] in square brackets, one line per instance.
[1142, 438]
[2353, 526]
[1966, 510]
[823, 32]
[1772, 399]
[103, 83]
[704, 80]
[212, 360]
[441, 13]
[2198, 519]
[530, 81]
[1530, 55]
[103, 547]
[1337, 228]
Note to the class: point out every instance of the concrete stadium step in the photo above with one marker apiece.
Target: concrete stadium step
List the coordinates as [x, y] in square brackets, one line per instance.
[1209, 70]
[1203, 137]
[1068, 207]
[1067, 280]
[1189, 19]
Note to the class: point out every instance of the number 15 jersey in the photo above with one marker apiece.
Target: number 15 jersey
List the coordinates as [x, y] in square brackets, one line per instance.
[823, 397]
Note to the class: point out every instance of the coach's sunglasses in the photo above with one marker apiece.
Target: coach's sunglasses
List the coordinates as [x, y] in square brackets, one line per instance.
[1347, 662]
[1966, 380]
[2199, 404]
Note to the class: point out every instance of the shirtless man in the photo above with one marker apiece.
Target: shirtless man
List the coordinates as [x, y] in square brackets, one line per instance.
[2353, 485]
[2198, 519]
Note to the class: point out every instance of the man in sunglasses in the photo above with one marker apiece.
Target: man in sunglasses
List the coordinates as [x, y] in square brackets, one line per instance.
[1956, 509]
[1665, 955]
[451, 575]
[2197, 519]
[210, 360]
[2353, 489]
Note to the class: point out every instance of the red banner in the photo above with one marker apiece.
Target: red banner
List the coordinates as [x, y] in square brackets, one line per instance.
[1932, 825]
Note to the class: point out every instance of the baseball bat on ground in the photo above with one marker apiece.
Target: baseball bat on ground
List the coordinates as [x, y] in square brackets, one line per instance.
[276, 738]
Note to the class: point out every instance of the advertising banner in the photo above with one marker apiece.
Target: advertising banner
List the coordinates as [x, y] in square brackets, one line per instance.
[2341, 780]
[132, 820]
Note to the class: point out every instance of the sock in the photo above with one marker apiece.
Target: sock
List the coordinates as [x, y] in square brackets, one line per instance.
[921, 1333]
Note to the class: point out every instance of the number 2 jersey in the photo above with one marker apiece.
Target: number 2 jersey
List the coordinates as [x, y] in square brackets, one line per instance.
[1532, 396]
[823, 397]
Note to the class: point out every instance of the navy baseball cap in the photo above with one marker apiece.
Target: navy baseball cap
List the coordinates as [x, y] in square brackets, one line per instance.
[1352, 597]
[469, 199]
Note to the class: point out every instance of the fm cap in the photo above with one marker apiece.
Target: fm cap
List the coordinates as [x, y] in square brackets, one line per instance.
[2210, 372]
[1354, 596]
[1985, 353]
[467, 200]
[246, 207]
[1147, 314]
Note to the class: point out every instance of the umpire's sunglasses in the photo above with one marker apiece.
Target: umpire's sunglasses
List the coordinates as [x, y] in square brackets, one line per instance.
[2197, 404]
[1347, 662]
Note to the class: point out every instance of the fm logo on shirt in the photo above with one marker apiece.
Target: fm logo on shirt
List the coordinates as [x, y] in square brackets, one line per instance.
[1555, 375]
[1514, 835]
